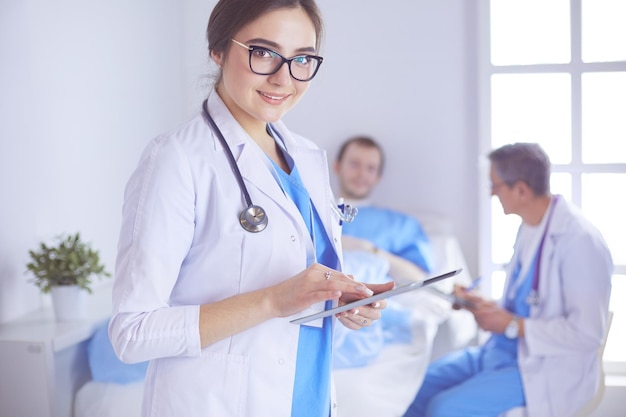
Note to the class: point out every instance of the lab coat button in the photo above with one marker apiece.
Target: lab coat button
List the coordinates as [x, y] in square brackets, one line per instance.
[281, 361]
[293, 238]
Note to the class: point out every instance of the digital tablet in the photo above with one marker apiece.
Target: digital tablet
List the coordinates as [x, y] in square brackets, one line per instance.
[380, 296]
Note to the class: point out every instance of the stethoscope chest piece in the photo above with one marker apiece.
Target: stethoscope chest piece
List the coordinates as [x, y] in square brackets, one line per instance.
[533, 298]
[253, 219]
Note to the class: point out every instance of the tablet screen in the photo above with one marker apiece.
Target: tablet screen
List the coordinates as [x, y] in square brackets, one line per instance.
[380, 296]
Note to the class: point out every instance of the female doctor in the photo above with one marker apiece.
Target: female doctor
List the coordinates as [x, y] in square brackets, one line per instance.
[546, 332]
[228, 232]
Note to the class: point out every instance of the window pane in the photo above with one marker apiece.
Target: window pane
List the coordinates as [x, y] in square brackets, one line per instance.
[603, 30]
[498, 278]
[616, 343]
[533, 108]
[604, 204]
[526, 32]
[561, 183]
[503, 231]
[604, 121]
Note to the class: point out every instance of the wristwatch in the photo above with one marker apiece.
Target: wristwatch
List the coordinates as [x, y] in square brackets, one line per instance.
[512, 329]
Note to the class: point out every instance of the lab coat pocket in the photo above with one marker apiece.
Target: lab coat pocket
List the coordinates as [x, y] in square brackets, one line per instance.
[571, 383]
[214, 384]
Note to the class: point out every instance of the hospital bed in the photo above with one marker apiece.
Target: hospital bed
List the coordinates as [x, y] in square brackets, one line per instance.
[383, 386]
[387, 384]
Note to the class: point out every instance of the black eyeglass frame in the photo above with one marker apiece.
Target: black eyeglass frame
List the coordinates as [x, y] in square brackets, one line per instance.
[252, 48]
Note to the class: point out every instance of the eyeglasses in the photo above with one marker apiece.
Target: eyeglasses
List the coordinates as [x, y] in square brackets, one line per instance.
[264, 61]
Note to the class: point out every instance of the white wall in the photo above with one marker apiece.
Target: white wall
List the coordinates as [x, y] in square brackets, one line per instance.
[86, 84]
[405, 73]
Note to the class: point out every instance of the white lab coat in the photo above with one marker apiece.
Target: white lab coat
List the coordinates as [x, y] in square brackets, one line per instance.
[558, 356]
[181, 245]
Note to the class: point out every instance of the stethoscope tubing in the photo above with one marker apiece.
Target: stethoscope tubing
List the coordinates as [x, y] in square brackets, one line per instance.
[253, 218]
[229, 154]
[533, 298]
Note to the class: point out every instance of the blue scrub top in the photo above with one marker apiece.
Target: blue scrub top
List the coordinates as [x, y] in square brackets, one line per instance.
[311, 393]
[518, 305]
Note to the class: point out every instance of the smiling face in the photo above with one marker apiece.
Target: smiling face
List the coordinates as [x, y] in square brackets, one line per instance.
[255, 100]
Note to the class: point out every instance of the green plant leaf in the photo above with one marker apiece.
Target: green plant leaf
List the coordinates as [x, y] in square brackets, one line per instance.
[70, 262]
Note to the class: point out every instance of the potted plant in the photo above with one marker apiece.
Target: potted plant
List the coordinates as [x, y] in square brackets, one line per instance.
[66, 270]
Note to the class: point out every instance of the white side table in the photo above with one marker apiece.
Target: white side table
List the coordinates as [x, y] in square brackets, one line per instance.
[43, 362]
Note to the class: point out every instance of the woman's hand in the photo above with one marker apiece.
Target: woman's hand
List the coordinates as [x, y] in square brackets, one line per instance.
[315, 284]
[364, 315]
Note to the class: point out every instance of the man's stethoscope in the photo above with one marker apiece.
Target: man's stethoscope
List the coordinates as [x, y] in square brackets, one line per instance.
[533, 298]
[254, 218]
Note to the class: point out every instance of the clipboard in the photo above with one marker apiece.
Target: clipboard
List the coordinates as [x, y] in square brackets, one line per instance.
[452, 298]
[380, 296]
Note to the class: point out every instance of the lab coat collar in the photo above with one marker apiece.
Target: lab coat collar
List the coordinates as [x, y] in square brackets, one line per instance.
[245, 151]
[310, 160]
[559, 225]
[560, 221]
[312, 164]
[234, 134]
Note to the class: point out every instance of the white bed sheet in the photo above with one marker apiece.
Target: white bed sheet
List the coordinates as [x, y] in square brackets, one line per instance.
[387, 385]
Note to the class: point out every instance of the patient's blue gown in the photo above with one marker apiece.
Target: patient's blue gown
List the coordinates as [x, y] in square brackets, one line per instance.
[396, 233]
[393, 232]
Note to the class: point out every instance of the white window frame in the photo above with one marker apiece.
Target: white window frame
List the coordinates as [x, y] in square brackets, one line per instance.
[576, 168]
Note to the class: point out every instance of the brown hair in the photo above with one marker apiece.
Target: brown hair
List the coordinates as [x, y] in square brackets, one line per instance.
[365, 141]
[229, 16]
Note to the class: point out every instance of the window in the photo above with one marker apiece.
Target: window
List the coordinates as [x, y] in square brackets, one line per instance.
[554, 72]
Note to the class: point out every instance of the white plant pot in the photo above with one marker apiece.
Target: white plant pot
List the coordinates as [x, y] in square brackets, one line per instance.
[69, 302]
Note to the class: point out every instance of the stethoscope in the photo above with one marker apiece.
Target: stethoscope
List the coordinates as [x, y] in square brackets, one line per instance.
[533, 298]
[254, 218]
[345, 212]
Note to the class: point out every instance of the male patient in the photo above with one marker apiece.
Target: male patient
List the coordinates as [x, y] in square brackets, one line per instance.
[395, 236]
[380, 244]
